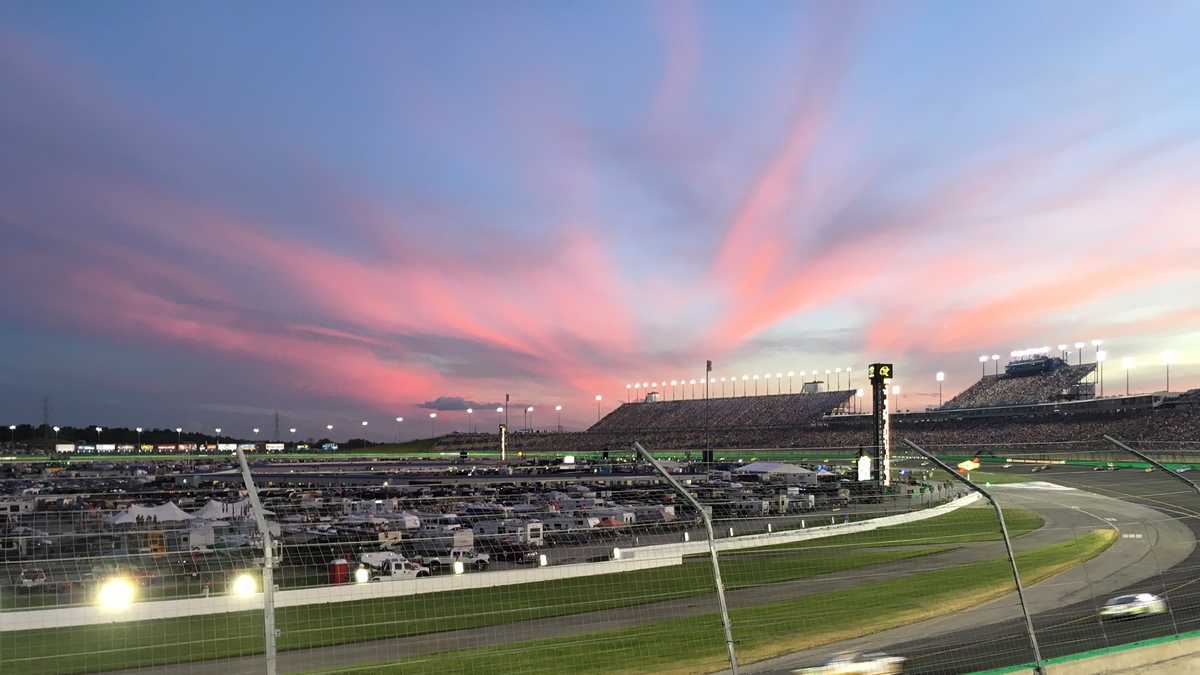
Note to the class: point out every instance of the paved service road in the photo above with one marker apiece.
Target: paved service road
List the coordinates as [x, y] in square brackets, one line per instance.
[1157, 519]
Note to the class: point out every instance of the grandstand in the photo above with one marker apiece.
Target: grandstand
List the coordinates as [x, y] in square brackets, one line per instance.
[1024, 383]
[779, 410]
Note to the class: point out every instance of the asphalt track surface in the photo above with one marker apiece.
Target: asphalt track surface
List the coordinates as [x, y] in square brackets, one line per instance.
[1159, 522]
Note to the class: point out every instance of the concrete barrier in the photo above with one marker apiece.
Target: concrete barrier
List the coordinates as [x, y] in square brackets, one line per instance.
[629, 560]
[1157, 656]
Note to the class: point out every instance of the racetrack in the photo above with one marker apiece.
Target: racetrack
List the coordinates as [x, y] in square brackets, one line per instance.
[1157, 518]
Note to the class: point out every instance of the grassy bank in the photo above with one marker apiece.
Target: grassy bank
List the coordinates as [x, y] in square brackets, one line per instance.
[695, 644]
[124, 645]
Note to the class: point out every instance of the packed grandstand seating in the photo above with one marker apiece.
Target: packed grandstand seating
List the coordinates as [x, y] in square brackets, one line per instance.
[1175, 422]
[747, 411]
[999, 390]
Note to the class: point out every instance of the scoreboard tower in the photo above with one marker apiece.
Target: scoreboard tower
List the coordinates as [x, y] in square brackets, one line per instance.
[880, 374]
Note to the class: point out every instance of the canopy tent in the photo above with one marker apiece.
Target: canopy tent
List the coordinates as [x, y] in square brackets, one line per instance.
[218, 510]
[163, 513]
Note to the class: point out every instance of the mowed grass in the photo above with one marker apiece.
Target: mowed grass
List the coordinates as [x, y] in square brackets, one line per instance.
[124, 645]
[696, 643]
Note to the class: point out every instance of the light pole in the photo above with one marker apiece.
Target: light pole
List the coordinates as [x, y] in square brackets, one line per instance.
[255, 434]
[996, 360]
[499, 416]
[1079, 346]
[471, 419]
[791, 377]
[1101, 357]
[1168, 358]
[1099, 365]
[178, 435]
[778, 383]
[329, 430]
[745, 386]
[139, 438]
[558, 411]
[598, 399]
[896, 391]
[983, 365]
[1062, 351]
[858, 395]
[12, 435]
[432, 424]
[628, 389]
[1127, 363]
[98, 430]
[56, 430]
[848, 385]
[399, 421]
[528, 410]
[941, 377]
[756, 385]
[838, 373]
[671, 394]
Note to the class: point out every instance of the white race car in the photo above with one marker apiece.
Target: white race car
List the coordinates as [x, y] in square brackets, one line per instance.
[1138, 604]
[852, 663]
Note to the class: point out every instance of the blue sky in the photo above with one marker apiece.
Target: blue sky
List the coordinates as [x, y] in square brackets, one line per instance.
[213, 211]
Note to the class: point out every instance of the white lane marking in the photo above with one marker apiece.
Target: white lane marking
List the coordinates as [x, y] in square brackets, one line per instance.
[1036, 485]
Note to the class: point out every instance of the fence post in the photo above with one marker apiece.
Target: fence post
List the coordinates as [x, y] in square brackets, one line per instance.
[1012, 557]
[1146, 458]
[712, 551]
[268, 572]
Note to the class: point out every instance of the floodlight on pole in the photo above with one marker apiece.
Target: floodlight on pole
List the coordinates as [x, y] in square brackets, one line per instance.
[56, 430]
[983, 359]
[1168, 357]
[558, 411]
[598, 399]
[471, 419]
[1079, 346]
[791, 375]
[432, 424]
[1127, 364]
[941, 377]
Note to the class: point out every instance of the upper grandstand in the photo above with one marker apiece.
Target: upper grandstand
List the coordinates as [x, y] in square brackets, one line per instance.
[1024, 382]
[779, 410]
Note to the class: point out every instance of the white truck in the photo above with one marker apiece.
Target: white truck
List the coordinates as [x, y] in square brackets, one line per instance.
[389, 566]
[468, 557]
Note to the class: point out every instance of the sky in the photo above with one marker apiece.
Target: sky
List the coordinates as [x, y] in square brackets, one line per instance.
[356, 211]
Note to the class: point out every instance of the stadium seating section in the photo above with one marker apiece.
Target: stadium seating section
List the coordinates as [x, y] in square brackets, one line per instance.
[998, 390]
[727, 413]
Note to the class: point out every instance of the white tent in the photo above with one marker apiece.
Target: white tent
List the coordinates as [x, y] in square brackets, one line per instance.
[771, 468]
[163, 513]
[217, 510]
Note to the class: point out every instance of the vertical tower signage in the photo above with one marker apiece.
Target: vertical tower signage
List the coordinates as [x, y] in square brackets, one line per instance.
[880, 374]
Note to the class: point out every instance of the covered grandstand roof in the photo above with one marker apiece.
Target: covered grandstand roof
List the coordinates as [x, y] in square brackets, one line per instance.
[777, 410]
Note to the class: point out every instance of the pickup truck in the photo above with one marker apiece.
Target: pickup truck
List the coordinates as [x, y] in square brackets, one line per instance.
[479, 561]
[389, 566]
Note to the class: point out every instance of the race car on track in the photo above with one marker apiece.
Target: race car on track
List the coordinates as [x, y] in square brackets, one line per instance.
[852, 663]
[1137, 604]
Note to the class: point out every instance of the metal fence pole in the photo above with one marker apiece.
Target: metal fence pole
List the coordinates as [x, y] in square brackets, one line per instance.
[1012, 557]
[712, 551]
[268, 572]
[1146, 458]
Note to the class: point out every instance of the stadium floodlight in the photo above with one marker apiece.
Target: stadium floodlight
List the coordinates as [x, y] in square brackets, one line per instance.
[116, 593]
[292, 430]
[433, 416]
[1079, 345]
[791, 373]
[362, 575]
[1101, 356]
[995, 357]
[243, 586]
[364, 423]
[895, 389]
[1127, 363]
[499, 409]
[1097, 343]
[1062, 348]
[983, 358]
[673, 383]
[328, 427]
[941, 377]
[399, 419]
[558, 408]
[218, 429]
[255, 430]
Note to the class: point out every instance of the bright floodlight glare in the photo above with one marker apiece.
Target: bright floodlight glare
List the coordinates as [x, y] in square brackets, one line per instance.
[745, 377]
[983, 358]
[941, 377]
[837, 370]
[529, 409]
[399, 419]
[1168, 357]
[629, 386]
[292, 430]
[362, 575]
[791, 373]
[256, 430]
[364, 423]
[1062, 348]
[1078, 345]
[599, 397]
[1101, 356]
[99, 429]
[858, 393]
[470, 411]
[12, 427]
[1097, 343]
[218, 429]
[116, 593]
[138, 429]
[178, 430]
[558, 408]
[499, 409]
[243, 586]
[673, 383]
[995, 357]
[895, 389]
[432, 416]
[57, 429]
